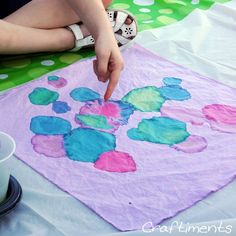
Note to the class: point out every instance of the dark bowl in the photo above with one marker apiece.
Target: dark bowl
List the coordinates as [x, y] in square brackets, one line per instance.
[14, 193]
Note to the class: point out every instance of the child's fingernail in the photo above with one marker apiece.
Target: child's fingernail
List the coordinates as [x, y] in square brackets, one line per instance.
[106, 98]
[102, 79]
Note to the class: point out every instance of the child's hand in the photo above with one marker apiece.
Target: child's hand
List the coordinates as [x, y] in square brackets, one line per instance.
[109, 62]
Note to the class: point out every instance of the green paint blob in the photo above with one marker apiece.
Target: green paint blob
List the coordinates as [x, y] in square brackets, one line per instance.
[43, 96]
[161, 130]
[145, 99]
[94, 121]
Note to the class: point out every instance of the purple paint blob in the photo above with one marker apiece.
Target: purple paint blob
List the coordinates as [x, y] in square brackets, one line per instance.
[188, 115]
[114, 161]
[225, 128]
[50, 146]
[192, 144]
[57, 82]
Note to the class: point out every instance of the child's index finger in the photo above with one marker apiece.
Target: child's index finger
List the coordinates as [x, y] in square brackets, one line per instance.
[115, 74]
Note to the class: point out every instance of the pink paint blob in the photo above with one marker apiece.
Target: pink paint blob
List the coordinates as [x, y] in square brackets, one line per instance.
[50, 146]
[114, 161]
[221, 117]
[110, 110]
[188, 115]
[220, 113]
[192, 144]
[61, 82]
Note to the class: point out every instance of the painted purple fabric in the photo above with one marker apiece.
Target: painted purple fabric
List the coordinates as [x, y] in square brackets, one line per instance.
[163, 142]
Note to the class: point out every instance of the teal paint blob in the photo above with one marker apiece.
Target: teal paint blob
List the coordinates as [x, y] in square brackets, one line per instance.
[53, 78]
[43, 96]
[60, 107]
[93, 121]
[162, 130]
[49, 125]
[174, 93]
[172, 81]
[84, 94]
[86, 145]
[145, 99]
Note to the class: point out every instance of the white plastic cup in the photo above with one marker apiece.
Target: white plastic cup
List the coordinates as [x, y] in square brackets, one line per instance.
[7, 149]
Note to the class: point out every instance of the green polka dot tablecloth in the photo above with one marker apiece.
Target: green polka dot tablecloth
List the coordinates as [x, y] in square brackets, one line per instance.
[16, 70]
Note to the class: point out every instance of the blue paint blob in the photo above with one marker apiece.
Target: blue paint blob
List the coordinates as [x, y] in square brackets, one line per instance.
[86, 145]
[49, 125]
[53, 78]
[84, 94]
[174, 93]
[172, 81]
[127, 110]
[60, 107]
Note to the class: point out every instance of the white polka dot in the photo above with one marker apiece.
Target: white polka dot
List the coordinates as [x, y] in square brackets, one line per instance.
[144, 2]
[3, 76]
[47, 62]
[144, 10]
[194, 2]
[176, 2]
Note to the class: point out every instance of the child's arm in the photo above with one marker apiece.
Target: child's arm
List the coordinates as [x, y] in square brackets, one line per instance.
[109, 61]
